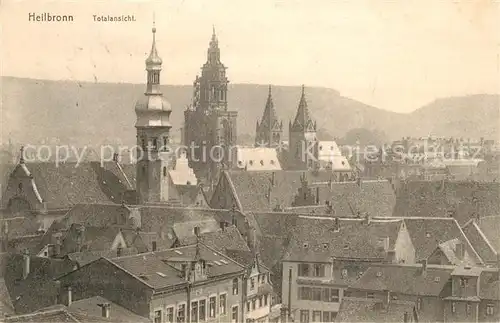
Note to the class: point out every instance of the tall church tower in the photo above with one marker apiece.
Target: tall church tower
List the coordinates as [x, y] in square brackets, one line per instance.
[209, 126]
[153, 133]
[269, 132]
[303, 143]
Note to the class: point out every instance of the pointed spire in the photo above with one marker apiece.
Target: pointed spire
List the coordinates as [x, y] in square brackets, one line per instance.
[214, 41]
[21, 157]
[302, 118]
[269, 117]
[154, 58]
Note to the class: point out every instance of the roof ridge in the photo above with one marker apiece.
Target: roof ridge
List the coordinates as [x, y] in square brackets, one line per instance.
[484, 237]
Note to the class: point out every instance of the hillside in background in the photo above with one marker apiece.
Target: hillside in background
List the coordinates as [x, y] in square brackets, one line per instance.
[79, 113]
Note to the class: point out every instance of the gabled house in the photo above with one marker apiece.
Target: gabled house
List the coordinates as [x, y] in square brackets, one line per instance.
[374, 310]
[186, 284]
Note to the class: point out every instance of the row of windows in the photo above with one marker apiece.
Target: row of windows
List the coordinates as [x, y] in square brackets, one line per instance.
[490, 308]
[154, 144]
[318, 294]
[262, 301]
[317, 316]
[314, 270]
[261, 279]
[198, 311]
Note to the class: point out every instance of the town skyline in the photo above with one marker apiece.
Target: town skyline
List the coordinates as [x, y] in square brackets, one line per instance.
[393, 75]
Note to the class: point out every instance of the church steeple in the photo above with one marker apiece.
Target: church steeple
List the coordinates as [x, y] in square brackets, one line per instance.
[269, 130]
[213, 55]
[303, 120]
[153, 67]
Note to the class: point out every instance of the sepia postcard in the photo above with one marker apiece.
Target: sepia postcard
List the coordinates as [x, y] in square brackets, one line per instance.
[264, 161]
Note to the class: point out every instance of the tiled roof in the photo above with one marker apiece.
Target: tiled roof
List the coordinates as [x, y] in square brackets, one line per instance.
[479, 242]
[6, 307]
[252, 188]
[90, 307]
[257, 159]
[86, 257]
[40, 278]
[427, 233]
[490, 226]
[220, 240]
[187, 194]
[145, 267]
[405, 279]
[489, 284]
[371, 310]
[437, 198]
[449, 249]
[185, 231]
[94, 238]
[20, 226]
[130, 171]
[314, 239]
[67, 184]
[55, 315]
[208, 254]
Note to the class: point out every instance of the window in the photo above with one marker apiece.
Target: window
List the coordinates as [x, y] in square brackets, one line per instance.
[253, 304]
[453, 307]
[419, 304]
[234, 315]
[490, 309]
[319, 270]
[260, 301]
[265, 300]
[344, 273]
[194, 311]
[304, 293]
[334, 295]
[304, 316]
[316, 294]
[153, 245]
[164, 171]
[155, 144]
[464, 282]
[370, 295]
[211, 307]
[248, 306]
[169, 316]
[222, 304]
[252, 283]
[316, 316]
[181, 313]
[304, 270]
[329, 316]
[468, 308]
[157, 316]
[235, 286]
[202, 308]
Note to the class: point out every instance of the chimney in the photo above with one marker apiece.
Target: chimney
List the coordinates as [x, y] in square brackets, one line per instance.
[119, 251]
[424, 266]
[197, 231]
[358, 181]
[460, 250]
[105, 309]
[26, 264]
[387, 299]
[70, 296]
[336, 225]
[317, 195]
[273, 179]
[368, 218]
[115, 157]
[222, 225]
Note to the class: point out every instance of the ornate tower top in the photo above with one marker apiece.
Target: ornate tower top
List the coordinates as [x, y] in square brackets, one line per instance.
[303, 120]
[153, 61]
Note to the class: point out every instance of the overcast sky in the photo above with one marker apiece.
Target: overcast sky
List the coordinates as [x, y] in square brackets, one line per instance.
[393, 54]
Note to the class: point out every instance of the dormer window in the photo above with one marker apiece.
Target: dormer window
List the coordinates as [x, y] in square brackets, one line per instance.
[464, 282]
[252, 283]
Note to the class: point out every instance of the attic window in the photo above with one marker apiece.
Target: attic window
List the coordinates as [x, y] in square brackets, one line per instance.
[343, 163]
[379, 274]
[428, 234]
[346, 246]
[240, 162]
[437, 279]
[262, 162]
[320, 147]
[217, 263]
[224, 261]
[143, 276]
[331, 147]
[251, 162]
[161, 274]
[178, 252]
[325, 245]
[306, 245]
